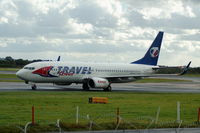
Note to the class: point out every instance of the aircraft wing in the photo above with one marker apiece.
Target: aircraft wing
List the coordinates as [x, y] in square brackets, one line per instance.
[185, 69]
[126, 76]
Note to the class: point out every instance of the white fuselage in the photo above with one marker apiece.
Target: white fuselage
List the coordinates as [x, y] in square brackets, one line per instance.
[92, 75]
[76, 72]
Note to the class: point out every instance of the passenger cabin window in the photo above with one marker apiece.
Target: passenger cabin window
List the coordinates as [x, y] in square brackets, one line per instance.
[29, 68]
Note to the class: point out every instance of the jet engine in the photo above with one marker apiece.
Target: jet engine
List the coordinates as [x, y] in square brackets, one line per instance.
[98, 83]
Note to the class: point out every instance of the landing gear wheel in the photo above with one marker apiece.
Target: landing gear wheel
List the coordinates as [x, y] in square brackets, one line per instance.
[34, 87]
[85, 87]
[109, 88]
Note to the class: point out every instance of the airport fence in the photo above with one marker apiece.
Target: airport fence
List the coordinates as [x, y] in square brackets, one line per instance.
[114, 120]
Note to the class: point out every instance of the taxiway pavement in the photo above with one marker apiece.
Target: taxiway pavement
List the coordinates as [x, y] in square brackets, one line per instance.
[193, 86]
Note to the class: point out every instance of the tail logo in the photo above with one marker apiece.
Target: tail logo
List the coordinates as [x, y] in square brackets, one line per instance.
[154, 52]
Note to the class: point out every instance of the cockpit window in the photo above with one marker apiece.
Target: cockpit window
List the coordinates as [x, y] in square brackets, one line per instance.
[29, 68]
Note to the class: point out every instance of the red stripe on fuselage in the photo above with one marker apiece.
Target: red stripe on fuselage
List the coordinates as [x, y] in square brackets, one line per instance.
[43, 71]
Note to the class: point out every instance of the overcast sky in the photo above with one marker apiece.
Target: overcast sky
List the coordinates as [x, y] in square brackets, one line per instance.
[100, 30]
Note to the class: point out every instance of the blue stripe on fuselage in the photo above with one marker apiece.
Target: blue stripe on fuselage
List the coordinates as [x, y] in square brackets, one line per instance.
[74, 70]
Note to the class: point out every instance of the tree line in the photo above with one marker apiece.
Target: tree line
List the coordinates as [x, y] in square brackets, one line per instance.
[10, 62]
[176, 70]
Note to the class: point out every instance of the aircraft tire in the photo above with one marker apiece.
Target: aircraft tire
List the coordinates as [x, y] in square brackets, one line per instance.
[109, 88]
[34, 87]
[85, 87]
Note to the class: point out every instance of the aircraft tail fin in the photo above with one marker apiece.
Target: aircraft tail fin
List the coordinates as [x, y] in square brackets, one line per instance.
[151, 56]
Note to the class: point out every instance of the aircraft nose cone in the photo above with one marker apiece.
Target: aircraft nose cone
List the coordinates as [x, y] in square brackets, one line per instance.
[20, 74]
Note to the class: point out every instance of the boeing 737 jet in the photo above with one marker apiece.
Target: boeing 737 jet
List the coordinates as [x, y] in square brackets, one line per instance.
[92, 75]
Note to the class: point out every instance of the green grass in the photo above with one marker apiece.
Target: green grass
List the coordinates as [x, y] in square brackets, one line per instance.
[8, 76]
[9, 69]
[15, 107]
[11, 80]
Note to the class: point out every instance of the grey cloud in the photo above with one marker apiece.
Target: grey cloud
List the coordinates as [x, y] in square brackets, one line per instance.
[52, 19]
[90, 12]
[195, 37]
[101, 48]
[176, 21]
[87, 46]
[25, 10]
[11, 30]
[143, 3]
[192, 1]
[33, 24]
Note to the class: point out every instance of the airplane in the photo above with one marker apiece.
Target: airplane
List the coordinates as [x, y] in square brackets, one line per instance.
[93, 75]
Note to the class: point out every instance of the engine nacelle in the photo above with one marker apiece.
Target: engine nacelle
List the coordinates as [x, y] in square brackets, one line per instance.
[98, 83]
[63, 83]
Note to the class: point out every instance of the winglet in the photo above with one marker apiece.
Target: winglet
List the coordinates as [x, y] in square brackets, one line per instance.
[185, 69]
[58, 58]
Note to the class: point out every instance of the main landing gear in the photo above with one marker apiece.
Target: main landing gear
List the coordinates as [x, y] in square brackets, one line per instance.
[85, 87]
[33, 87]
[109, 88]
